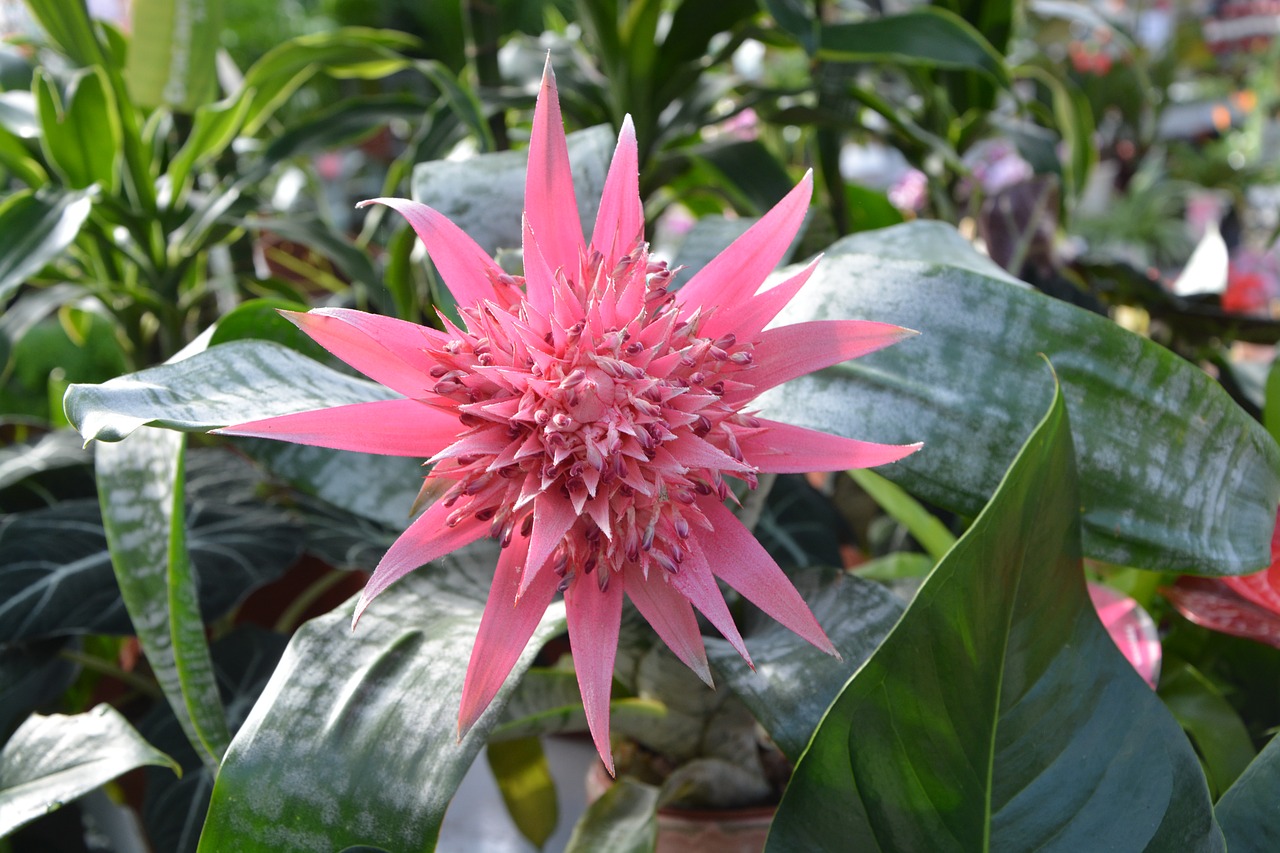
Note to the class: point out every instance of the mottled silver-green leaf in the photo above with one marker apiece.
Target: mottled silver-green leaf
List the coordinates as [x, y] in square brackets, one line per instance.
[230, 383]
[52, 760]
[140, 488]
[354, 740]
[1174, 475]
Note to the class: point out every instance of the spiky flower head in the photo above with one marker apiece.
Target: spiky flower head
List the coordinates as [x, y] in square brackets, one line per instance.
[591, 420]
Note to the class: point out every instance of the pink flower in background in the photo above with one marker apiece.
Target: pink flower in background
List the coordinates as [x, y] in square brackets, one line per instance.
[590, 420]
[1131, 628]
[910, 191]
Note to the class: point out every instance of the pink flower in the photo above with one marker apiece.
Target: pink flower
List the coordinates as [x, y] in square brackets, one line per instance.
[589, 419]
[1131, 629]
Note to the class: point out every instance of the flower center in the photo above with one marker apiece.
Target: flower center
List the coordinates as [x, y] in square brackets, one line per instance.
[609, 405]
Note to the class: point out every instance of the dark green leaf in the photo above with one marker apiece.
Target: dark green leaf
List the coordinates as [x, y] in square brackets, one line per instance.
[35, 230]
[793, 683]
[30, 675]
[751, 170]
[355, 740]
[212, 130]
[797, 18]
[1247, 810]
[50, 761]
[524, 778]
[344, 123]
[624, 820]
[999, 714]
[1160, 489]
[929, 37]
[140, 488]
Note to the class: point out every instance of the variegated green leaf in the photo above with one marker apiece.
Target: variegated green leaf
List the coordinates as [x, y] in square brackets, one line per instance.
[37, 229]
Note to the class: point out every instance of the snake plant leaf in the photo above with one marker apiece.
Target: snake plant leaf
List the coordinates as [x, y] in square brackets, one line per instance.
[1174, 475]
[52, 760]
[355, 738]
[140, 488]
[998, 714]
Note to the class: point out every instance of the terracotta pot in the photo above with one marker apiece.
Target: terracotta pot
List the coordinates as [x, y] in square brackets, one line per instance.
[695, 830]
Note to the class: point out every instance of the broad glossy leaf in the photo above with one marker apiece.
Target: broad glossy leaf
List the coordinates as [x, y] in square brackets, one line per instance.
[485, 194]
[37, 229]
[231, 383]
[929, 37]
[624, 820]
[52, 760]
[1161, 488]
[793, 683]
[998, 714]
[140, 488]
[1247, 811]
[354, 740]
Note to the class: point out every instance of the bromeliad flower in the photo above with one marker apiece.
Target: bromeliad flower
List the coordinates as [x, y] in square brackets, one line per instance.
[589, 418]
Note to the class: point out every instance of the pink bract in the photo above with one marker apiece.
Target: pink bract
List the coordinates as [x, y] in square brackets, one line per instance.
[589, 419]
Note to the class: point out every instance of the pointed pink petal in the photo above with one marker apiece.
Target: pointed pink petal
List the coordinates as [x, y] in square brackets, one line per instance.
[549, 200]
[553, 515]
[460, 260]
[384, 349]
[786, 352]
[427, 539]
[735, 274]
[387, 427]
[505, 629]
[696, 582]
[671, 616]
[746, 320]
[620, 222]
[539, 279]
[786, 449]
[740, 561]
[593, 618]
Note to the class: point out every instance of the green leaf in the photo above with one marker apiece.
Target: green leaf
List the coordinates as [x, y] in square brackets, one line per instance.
[929, 37]
[1247, 811]
[172, 53]
[81, 138]
[345, 123]
[355, 739]
[524, 779]
[1271, 404]
[231, 383]
[793, 682]
[351, 51]
[485, 194]
[214, 128]
[748, 167]
[36, 229]
[547, 702]
[797, 18]
[140, 488]
[68, 24]
[623, 820]
[319, 235]
[1215, 728]
[1160, 488]
[931, 533]
[999, 715]
[52, 760]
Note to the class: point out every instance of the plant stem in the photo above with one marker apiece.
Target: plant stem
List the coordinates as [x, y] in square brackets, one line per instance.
[98, 665]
